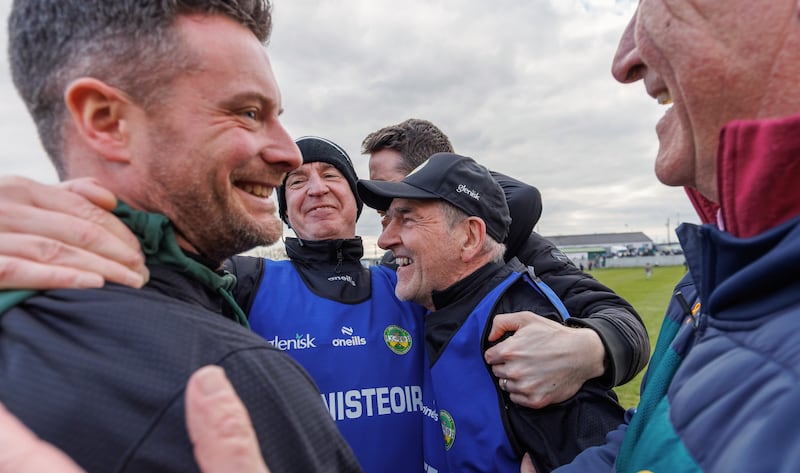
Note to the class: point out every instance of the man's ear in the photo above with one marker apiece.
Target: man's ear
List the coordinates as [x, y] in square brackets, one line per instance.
[474, 238]
[100, 113]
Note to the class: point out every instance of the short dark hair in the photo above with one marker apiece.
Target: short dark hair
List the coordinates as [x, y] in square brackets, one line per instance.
[416, 140]
[129, 44]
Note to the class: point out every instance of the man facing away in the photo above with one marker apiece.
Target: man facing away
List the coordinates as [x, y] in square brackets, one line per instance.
[445, 223]
[186, 132]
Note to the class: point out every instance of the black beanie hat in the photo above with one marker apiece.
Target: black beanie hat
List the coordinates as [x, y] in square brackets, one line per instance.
[315, 149]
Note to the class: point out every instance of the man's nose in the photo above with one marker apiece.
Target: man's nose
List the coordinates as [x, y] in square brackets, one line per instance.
[627, 66]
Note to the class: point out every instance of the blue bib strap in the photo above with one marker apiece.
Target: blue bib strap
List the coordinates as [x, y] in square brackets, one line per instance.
[549, 294]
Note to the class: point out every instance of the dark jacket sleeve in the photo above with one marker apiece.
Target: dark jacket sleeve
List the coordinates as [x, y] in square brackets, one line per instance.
[291, 423]
[295, 431]
[593, 305]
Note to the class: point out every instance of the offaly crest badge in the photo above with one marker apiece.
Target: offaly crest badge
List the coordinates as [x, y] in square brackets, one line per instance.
[397, 339]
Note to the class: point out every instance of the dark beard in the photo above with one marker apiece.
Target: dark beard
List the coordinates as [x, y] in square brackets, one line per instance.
[204, 215]
[208, 220]
[234, 238]
[217, 233]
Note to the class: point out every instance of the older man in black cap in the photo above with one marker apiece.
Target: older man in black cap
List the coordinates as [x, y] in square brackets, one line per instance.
[446, 223]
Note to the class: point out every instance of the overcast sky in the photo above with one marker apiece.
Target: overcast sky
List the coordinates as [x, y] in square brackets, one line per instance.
[523, 86]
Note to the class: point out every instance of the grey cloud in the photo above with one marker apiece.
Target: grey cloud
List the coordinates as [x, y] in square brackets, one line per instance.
[523, 86]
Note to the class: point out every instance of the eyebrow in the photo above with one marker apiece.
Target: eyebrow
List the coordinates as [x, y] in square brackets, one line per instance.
[296, 171]
[399, 210]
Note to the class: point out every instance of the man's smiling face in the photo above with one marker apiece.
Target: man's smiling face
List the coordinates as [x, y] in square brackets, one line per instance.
[320, 204]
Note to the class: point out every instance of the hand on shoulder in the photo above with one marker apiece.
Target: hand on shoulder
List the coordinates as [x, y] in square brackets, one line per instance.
[64, 236]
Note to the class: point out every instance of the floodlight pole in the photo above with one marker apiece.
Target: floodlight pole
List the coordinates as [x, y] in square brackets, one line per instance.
[668, 241]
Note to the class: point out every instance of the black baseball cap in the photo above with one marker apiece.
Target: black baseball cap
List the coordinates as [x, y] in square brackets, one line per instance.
[456, 179]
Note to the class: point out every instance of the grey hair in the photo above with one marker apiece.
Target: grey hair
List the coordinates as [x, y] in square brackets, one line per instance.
[453, 215]
[129, 44]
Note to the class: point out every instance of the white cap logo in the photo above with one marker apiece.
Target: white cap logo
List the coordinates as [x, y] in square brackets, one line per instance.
[463, 189]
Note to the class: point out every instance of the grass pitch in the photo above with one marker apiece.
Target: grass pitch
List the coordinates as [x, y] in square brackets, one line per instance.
[650, 298]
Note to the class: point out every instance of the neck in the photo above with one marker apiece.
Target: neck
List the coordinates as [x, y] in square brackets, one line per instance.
[157, 239]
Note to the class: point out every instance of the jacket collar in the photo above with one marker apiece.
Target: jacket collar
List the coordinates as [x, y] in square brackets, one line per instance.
[758, 171]
[324, 252]
[473, 286]
[156, 236]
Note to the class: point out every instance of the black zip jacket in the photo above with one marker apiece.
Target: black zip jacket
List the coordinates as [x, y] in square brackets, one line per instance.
[315, 261]
[101, 373]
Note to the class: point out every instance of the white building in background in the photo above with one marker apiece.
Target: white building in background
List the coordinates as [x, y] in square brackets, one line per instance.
[601, 249]
[598, 247]
[277, 251]
[606, 250]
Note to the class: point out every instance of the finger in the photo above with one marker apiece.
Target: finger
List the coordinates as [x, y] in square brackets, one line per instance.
[505, 384]
[34, 262]
[527, 465]
[27, 274]
[91, 190]
[57, 213]
[515, 323]
[501, 325]
[219, 425]
[73, 231]
[499, 371]
[22, 452]
[504, 323]
[104, 202]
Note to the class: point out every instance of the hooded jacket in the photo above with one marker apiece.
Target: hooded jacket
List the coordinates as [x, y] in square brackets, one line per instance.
[590, 303]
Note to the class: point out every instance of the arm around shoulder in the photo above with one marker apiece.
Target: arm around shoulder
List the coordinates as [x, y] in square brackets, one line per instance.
[593, 305]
